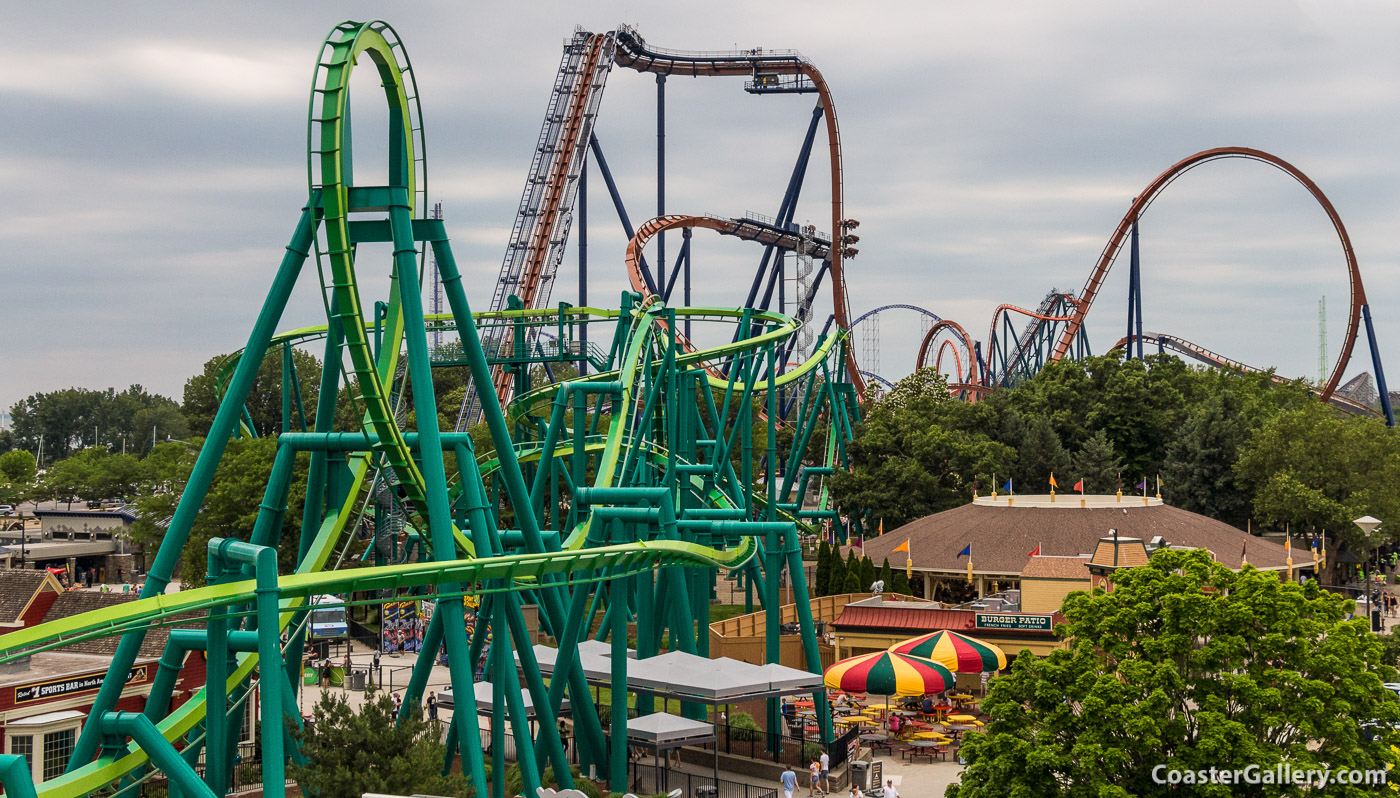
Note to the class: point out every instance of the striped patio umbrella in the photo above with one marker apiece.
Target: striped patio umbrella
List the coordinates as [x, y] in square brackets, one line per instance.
[888, 673]
[959, 652]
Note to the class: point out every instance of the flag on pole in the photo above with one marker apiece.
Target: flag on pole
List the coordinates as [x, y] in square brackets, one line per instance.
[1007, 487]
[1159, 486]
[1142, 486]
[1079, 486]
[908, 561]
[966, 552]
[1053, 483]
[1035, 552]
[1244, 554]
[882, 526]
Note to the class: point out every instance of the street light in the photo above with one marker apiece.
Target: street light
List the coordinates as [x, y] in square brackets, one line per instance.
[1368, 525]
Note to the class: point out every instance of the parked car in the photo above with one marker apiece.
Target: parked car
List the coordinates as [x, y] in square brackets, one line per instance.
[6, 510]
[94, 504]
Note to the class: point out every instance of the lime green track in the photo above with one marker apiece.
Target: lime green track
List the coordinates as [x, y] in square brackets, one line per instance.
[648, 334]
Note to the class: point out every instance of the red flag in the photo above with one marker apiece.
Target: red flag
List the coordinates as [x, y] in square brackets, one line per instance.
[1079, 486]
[1035, 552]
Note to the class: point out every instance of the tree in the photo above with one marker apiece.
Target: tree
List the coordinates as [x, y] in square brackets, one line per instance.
[1097, 464]
[1317, 468]
[887, 574]
[867, 573]
[900, 584]
[230, 507]
[1200, 468]
[17, 472]
[18, 466]
[836, 576]
[204, 391]
[916, 453]
[74, 418]
[1188, 665]
[351, 753]
[853, 582]
[1041, 456]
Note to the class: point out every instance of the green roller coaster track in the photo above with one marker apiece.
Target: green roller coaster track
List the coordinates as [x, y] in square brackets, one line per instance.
[628, 491]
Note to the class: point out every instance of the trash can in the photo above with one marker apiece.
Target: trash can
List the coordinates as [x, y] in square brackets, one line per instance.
[308, 677]
[357, 678]
[860, 774]
[1376, 624]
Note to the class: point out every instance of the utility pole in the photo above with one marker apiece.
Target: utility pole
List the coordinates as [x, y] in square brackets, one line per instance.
[1322, 340]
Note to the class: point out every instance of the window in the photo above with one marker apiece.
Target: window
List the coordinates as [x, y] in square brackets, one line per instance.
[58, 746]
[45, 741]
[23, 746]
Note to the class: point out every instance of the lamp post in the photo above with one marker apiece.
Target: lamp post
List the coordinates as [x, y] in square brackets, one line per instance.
[1368, 526]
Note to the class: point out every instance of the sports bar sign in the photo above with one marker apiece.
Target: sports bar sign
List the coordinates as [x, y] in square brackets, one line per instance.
[71, 685]
[1016, 622]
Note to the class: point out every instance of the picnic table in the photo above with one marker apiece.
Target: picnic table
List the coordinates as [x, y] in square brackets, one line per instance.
[877, 741]
[962, 719]
[926, 748]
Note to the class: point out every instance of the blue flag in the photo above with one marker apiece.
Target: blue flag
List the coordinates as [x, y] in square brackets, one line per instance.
[1007, 486]
[967, 552]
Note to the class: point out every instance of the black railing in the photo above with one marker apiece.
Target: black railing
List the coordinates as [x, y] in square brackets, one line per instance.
[652, 779]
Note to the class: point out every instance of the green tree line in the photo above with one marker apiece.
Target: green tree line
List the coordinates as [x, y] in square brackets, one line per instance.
[1239, 447]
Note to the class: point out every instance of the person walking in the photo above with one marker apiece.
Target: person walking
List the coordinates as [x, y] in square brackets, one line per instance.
[890, 791]
[816, 784]
[789, 782]
[432, 705]
[825, 761]
[398, 703]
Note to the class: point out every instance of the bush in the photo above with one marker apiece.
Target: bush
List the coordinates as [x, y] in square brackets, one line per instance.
[743, 727]
[811, 752]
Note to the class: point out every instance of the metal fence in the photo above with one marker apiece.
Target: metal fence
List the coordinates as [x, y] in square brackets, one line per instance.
[780, 748]
[654, 779]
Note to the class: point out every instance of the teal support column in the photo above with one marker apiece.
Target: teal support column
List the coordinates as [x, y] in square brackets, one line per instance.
[16, 777]
[434, 471]
[192, 499]
[224, 551]
[120, 725]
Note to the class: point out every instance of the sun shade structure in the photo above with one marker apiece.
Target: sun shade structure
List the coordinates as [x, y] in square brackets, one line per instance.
[888, 673]
[483, 695]
[668, 731]
[954, 651]
[712, 681]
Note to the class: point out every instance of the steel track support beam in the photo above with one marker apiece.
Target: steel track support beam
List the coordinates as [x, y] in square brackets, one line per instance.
[192, 499]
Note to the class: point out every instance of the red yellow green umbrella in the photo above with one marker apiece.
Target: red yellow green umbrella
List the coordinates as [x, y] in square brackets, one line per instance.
[888, 673]
[959, 652]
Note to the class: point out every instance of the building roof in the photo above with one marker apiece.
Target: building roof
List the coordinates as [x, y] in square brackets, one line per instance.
[1057, 567]
[923, 618]
[1002, 536]
[77, 602]
[18, 587]
[124, 515]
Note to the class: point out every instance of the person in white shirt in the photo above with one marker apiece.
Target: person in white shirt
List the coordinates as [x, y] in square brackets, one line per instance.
[890, 791]
[826, 772]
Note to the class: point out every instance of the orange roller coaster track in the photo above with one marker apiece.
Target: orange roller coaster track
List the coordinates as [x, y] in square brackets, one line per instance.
[634, 53]
[1155, 188]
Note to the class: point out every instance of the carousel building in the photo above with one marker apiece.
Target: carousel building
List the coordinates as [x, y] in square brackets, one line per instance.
[1042, 544]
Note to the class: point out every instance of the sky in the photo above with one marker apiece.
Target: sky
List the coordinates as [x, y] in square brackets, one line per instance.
[152, 163]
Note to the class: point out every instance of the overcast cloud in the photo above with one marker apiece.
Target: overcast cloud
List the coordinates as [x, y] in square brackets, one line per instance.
[152, 162]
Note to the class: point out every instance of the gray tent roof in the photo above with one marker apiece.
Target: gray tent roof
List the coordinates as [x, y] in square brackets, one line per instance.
[676, 672]
[662, 728]
[483, 699]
